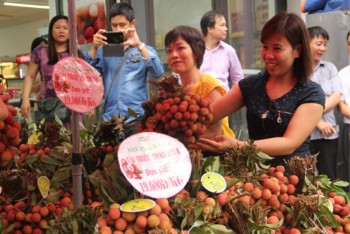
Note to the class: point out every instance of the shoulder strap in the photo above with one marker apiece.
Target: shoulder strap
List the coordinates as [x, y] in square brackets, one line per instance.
[115, 76]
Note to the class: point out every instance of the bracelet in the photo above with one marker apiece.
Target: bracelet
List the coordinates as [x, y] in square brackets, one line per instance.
[140, 48]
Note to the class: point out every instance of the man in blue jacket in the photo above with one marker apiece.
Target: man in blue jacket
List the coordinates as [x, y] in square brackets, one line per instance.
[127, 89]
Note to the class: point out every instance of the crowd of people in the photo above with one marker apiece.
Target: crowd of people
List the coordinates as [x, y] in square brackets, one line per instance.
[290, 104]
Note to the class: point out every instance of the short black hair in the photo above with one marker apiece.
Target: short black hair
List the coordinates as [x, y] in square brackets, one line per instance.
[37, 42]
[124, 9]
[208, 20]
[317, 31]
[192, 36]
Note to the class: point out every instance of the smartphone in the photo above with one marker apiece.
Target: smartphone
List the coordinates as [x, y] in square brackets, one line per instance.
[114, 37]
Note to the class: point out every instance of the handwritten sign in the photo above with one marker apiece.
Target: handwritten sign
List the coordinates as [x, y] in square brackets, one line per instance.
[77, 84]
[155, 164]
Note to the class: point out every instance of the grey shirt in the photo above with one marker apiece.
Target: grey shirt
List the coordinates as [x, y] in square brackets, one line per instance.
[326, 75]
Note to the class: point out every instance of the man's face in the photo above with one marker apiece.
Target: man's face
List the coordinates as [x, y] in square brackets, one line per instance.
[120, 23]
[220, 29]
[349, 44]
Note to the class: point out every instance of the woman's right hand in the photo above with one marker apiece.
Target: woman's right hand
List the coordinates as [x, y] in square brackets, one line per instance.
[25, 108]
[218, 143]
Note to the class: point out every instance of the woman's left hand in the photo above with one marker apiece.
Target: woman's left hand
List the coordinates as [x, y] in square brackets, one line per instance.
[218, 144]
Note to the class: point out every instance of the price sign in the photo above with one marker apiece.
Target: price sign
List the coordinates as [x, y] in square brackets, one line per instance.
[155, 164]
[77, 84]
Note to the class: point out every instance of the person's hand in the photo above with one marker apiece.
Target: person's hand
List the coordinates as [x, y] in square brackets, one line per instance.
[326, 129]
[25, 108]
[99, 39]
[218, 143]
[132, 38]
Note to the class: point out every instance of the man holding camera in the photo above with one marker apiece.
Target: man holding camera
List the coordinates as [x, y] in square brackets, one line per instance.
[124, 77]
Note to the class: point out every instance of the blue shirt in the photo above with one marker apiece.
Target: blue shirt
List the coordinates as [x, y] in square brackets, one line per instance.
[129, 89]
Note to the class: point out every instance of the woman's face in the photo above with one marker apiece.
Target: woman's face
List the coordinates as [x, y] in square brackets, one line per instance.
[279, 55]
[180, 56]
[60, 31]
[318, 46]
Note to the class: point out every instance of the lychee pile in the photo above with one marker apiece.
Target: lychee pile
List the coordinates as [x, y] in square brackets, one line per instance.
[177, 114]
[158, 218]
[21, 217]
[9, 134]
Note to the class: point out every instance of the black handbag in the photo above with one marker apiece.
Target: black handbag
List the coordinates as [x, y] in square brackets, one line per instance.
[50, 107]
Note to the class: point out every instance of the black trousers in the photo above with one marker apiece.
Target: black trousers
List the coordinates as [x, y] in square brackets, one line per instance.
[346, 150]
[327, 157]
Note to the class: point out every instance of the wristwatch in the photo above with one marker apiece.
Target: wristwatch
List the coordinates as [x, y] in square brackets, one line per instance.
[142, 45]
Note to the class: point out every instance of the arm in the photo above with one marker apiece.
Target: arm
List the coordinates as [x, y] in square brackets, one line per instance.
[332, 101]
[344, 109]
[27, 87]
[299, 128]
[228, 104]
[301, 125]
[153, 63]
[235, 70]
[215, 128]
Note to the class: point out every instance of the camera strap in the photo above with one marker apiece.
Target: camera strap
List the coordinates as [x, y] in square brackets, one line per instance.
[115, 76]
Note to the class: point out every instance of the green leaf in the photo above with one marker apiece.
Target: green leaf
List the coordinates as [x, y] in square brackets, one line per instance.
[232, 182]
[218, 229]
[276, 225]
[75, 226]
[207, 162]
[50, 160]
[198, 211]
[132, 113]
[32, 158]
[9, 229]
[215, 165]
[263, 156]
[197, 230]
[263, 166]
[341, 183]
[104, 195]
[329, 216]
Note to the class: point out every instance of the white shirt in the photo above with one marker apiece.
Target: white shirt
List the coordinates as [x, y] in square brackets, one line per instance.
[344, 75]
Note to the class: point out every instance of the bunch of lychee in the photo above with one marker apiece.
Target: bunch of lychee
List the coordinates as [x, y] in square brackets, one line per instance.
[27, 150]
[118, 221]
[32, 220]
[341, 211]
[182, 117]
[9, 135]
[273, 189]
